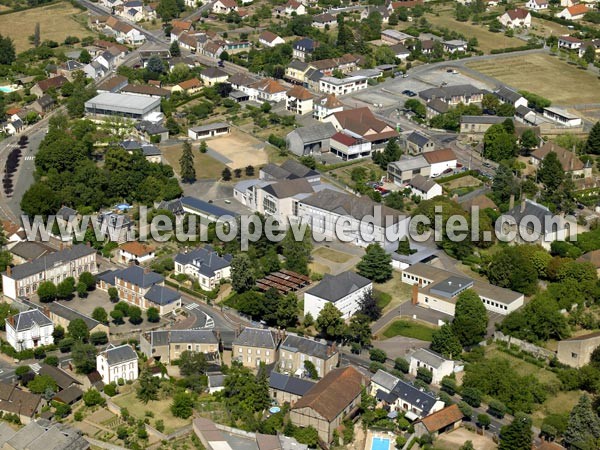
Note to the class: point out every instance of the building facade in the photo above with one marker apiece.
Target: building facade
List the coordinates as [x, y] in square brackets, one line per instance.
[116, 363]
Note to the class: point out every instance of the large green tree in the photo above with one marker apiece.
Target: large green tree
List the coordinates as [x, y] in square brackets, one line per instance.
[592, 145]
[192, 363]
[297, 251]
[551, 172]
[501, 270]
[148, 386]
[499, 144]
[7, 50]
[517, 435]
[376, 264]
[470, 318]
[242, 273]
[186, 163]
[78, 330]
[330, 323]
[446, 343]
[583, 431]
[84, 357]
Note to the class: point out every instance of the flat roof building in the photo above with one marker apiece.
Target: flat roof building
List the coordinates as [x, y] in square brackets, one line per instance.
[136, 107]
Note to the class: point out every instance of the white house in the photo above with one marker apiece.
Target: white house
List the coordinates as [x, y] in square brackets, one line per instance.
[29, 329]
[337, 86]
[349, 147]
[136, 251]
[575, 12]
[537, 5]
[424, 188]
[440, 161]
[224, 6]
[116, 363]
[439, 366]
[510, 96]
[269, 39]
[326, 106]
[299, 100]
[205, 266]
[455, 45]
[563, 117]
[516, 18]
[265, 90]
[344, 290]
[569, 42]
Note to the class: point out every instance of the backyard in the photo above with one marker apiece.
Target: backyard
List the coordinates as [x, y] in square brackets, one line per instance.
[57, 21]
[564, 90]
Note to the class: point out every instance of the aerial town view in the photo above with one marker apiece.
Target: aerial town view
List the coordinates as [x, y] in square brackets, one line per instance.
[300, 224]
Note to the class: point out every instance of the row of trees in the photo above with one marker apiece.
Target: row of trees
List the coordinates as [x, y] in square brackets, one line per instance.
[48, 291]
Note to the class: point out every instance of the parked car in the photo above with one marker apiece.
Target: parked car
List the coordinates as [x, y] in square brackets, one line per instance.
[448, 170]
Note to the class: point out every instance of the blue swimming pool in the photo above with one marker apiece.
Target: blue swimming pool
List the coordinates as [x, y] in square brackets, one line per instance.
[6, 89]
[380, 443]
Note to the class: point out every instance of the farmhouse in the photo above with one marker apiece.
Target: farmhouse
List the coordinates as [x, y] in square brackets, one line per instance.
[41, 87]
[537, 5]
[224, 6]
[190, 86]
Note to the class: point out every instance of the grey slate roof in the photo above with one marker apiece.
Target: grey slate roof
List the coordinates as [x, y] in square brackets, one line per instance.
[62, 378]
[27, 319]
[421, 183]
[173, 206]
[418, 139]
[543, 214]
[410, 163]
[60, 257]
[414, 396]
[194, 336]
[288, 188]
[483, 119]
[150, 150]
[287, 383]
[45, 100]
[209, 127]
[30, 250]
[315, 133]
[307, 346]
[429, 357]
[213, 72]
[216, 380]
[336, 287]
[507, 95]
[298, 65]
[255, 337]
[45, 435]
[206, 260]
[306, 45]
[205, 207]
[138, 276]
[162, 295]
[447, 92]
[385, 379]
[117, 355]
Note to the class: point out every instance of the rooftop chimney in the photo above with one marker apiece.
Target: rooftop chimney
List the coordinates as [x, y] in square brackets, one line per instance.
[415, 294]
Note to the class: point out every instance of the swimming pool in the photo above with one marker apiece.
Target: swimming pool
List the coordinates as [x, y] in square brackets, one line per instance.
[6, 89]
[380, 443]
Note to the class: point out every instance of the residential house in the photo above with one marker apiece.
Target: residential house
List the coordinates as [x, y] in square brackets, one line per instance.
[438, 289]
[304, 48]
[310, 140]
[117, 363]
[294, 351]
[324, 20]
[270, 39]
[42, 434]
[424, 188]
[224, 6]
[455, 46]
[26, 251]
[205, 266]
[404, 170]
[291, 7]
[299, 100]
[480, 201]
[94, 70]
[190, 86]
[209, 131]
[575, 12]
[24, 280]
[440, 161]
[296, 72]
[213, 75]
[364, 222]
[346, 64]
[418, 143]
[69, 68]
[349, 147]
[136, 252]
[333, 399]
[149, 131]
[29, 329]
[337, 86]
[439, 366]
[63, 315]
[326, 106]
[22, 403]
[13, 233]
[266, 90]
[41, 87]
[594, 43]
[394, 37]
[445, 420]
[362, 123]
[516, 18]
[255, 346]
[287, 388]
[561, 116]
[435, 107]
[475, 126]
[537, 5]
[510, 96]
[569, 42]
[570, 162]
[188, 41]
[113, 84]
[577, 351]
[167, 346]
[344, 290]
[453, 95]
[567, 3]
[400, 51]
[241, 81]
[125, 32]
[43, 104]
[381, 9]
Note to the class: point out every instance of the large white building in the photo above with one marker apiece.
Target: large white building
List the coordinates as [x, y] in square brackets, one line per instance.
[439, 366]
[136, 107]
[345, 291]
[205, 266]
[337, 86]
[116, 363]
[29, 329]
[24, 279]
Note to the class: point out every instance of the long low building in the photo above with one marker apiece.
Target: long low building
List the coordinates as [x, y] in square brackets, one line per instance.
[439, 289]
[110, 104]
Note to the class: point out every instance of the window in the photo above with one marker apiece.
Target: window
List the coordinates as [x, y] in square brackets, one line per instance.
[573, 355]
[240, 350]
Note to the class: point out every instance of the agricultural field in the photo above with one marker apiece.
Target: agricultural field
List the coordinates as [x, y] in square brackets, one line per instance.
[486, 39]
[57, 21]
[564, 90]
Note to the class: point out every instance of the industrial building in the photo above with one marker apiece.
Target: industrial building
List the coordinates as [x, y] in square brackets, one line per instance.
[108, 104]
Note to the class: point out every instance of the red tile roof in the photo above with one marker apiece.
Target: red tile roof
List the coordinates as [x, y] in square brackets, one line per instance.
[437, 156]
[441, 419]
[54, 82]
[344, 139]
[578, 9]
[190, 84]
[517, 13]
[267, 36]
[299, 92]
[137, 248]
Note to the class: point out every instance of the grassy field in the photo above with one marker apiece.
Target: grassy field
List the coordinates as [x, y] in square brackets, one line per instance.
[316, 267]
[409, 328]
[206, 166]
[565, 89]
[56, 21]
[522, 367]
[160, 408]
[486, 39]
[332, 255]
[559, 403]
[396, 289]
[547, 28]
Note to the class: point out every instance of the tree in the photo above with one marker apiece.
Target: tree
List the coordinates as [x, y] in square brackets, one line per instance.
[203, 147]
[182, 405]
[36, 35]
[100, 315]
[148, 387]
[484, 420]
[85, 57]
[192, 363]
[468, 445]
[51, 360]
[113, 294]
[500, 271]
[297, 252]
[117, 316]
[471, 396]
[175, 50]
[311, 369]
[499, 144]
[153, 315]
[424, 374]
[376, 264]
[529, 140]
[490, 103]
[358, 331]
[81, 289]
[46, 291]
[470, 318]
[186, 162]
[445, 342]
[404, 247]
[286, 314]
[42, 383]
[172, 126]
[78, 330]
[226, 174]
[84, 357]
[92, 398]
[592, 145]
[369, 307]
[330, 322]
[7, 50]
[377, 355]
[242, 273]
[517, 435]
[65, 288]
[135, 315]
[88, 279]
[58, 333]
[583, 430]
[390, 153]
[551, 173]
[98, 338]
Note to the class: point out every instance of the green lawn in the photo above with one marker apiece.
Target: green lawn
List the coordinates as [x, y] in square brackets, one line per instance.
[409, 328]
[332, 255]
[398, 291]
[523, 367]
